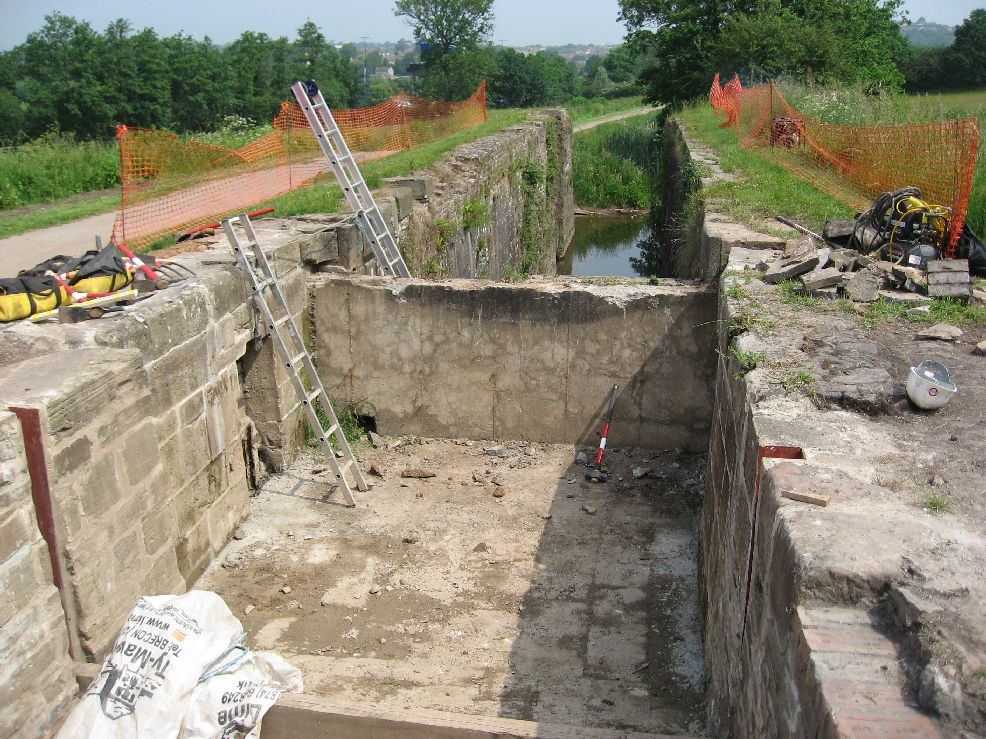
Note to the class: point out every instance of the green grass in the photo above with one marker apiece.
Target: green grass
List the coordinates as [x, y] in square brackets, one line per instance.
[936, 502]
[747, 360]
[943, 310]
[348, 422]
[800, 381]
[55, 167]
[790, 295]
[616, 164]
[763, 189]
[13, 224]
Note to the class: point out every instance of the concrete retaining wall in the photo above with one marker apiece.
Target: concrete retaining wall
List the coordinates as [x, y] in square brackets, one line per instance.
[529, 361]
[36, 683]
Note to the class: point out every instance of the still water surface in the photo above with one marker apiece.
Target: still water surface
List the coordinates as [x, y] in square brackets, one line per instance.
[605, 246]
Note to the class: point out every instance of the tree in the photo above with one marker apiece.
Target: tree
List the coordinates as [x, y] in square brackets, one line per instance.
[200, 81]
[516, 82]
[135, 68]
[450, 32]
[685, 42]
[311, 57]
[60, 80]
[967, 55]
[621, 65]
[260, 77]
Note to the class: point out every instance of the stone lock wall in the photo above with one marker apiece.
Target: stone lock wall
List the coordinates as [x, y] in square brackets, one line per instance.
[530, 361]
[495, 207]
[155, 424]
[793, 594]
[36, 682]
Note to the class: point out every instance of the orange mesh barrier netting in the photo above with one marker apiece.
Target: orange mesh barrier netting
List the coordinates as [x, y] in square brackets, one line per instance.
[172, 184]
[856, 163]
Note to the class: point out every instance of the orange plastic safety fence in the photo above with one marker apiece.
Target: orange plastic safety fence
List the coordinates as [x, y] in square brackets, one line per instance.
[171, 184]
[857, 163]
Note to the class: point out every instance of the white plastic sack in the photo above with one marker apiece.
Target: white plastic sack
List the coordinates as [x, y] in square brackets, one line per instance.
[163, 648]
[231, 703]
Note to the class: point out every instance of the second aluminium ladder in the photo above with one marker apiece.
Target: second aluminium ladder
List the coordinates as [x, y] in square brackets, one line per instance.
[358, 195]
[290, 347]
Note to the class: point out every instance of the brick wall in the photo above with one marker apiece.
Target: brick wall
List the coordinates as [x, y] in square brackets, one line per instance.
[36, 685]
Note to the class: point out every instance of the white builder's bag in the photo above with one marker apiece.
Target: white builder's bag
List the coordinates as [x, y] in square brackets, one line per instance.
[164, 646]
[236, 694]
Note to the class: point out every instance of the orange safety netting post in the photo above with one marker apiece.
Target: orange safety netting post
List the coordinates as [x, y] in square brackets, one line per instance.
[857, 163]
[171, 184]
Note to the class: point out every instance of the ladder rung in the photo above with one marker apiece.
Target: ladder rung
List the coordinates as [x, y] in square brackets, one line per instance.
[346, 465]
[298, 358]
[278, 322]
[330, 430]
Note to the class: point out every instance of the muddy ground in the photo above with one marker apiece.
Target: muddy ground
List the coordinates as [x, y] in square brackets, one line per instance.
[506, 585]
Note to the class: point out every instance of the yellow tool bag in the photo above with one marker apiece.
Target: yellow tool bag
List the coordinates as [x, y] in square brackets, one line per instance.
[21, 297]
[98, 272]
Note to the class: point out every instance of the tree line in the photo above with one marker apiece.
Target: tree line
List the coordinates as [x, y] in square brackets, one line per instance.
[71, 79]
[817, 41]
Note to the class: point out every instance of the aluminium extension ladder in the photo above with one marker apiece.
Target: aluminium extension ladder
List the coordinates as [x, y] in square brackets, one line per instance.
[294, 354]
[358, 195]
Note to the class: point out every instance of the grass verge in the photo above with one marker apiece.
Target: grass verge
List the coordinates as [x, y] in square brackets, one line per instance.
[762, 189]
[57, 214]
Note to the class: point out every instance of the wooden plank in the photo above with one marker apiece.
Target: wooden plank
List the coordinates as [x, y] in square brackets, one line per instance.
[813, 498]
[299, 716]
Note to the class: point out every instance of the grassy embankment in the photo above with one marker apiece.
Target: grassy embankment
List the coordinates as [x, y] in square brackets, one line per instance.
[765, 189]
[43, 183]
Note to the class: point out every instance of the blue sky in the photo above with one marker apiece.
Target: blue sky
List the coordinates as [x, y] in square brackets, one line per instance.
[518, 22]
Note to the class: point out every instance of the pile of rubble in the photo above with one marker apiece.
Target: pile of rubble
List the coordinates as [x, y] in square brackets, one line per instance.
[827, 270]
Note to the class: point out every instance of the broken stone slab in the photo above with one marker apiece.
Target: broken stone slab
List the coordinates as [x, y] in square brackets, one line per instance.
[949, 278]
[639, 472]
[869, 389]
[821, 278]
[375, 441]
[910, 278]
[905, 298]
[938, 266]
[918, 312]
[800, 248]
[864, 286]
[980, 349]
[940, 332]
[787, 269]
[839, 231]
[844, 260]
[825, 293]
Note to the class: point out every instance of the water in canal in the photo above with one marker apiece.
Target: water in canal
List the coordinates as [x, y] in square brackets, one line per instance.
[605, 246]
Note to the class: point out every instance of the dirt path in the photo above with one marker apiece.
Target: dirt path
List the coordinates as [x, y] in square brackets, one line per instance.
[75, 238]
[561, 601]
[610, 118]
